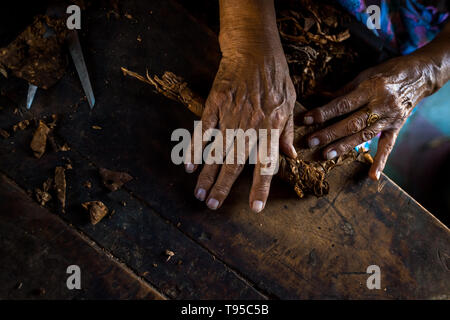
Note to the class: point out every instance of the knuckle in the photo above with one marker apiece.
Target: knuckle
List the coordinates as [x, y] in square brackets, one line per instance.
[345, 146]
[220, 191]
[327, 136]
[320, 114]
[233, 170]
[367, 134]
[206, 179]
[342, 107]
[262, 188]
[388, 147]
[355, 125]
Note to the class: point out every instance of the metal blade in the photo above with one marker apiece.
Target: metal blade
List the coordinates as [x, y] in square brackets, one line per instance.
[31, 93]
[80, 65]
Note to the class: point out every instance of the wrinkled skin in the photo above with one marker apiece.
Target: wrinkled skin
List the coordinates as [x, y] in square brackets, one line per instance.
[390, 90]
[252, 89]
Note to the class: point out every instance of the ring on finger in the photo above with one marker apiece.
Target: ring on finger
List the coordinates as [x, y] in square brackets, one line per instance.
[372, 117]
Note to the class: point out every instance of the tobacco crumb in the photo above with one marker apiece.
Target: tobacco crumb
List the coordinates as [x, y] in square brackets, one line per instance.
[169, 254]
[43, 196]
[87, 184]
[114, 180]
[39, 141]
[97, 210]
[4, 133]
[155, 265]
[97, 127]
[123, 203]
[22, 125]
[64, 147]
[60, 186]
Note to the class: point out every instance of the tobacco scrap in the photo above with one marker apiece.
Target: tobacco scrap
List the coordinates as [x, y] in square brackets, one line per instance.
[314, 38]
[4, 133]
[39, 141]
[114, 180]
[43, 196]
[36, 55]
[173, 87]
[169, 254]
[22, 125]
[60, 186]
[97, 210]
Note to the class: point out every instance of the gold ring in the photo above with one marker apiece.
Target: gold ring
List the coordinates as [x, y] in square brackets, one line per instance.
[372, 118]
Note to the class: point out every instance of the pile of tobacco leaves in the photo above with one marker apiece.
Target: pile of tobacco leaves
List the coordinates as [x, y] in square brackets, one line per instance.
[317, 45]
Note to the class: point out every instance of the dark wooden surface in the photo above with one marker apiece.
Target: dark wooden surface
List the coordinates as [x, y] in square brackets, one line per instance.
[309, 248]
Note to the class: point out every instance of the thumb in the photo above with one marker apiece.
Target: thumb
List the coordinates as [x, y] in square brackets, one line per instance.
[287, 138]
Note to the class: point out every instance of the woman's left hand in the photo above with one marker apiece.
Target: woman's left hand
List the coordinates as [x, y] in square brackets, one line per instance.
[379, 100]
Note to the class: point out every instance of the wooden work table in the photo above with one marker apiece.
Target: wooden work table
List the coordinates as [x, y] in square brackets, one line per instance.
[310, 248]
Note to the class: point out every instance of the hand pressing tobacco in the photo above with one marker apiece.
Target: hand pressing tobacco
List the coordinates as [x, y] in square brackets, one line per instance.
[380, 100]
[252, 89]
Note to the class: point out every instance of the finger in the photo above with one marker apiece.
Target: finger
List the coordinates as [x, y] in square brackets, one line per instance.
[348, 143]
[219, 192]
[230, 170]
[385, 146]
[208, 121]
[260, 189]
[349, 126]
[213, 156]
[206, 180]
[337, 107]
[262, 175]
[287, 138]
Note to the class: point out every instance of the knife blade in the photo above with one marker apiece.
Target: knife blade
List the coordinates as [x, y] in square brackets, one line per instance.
[80, 65]
[31, 93]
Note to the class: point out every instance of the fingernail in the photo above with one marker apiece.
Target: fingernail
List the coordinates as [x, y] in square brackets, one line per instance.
[313, 142]
[200, 194]
[331, 154]
[257, 206]
[294, 153]
[189, 167]
[212, 204]
[377, 174]
[308, 120]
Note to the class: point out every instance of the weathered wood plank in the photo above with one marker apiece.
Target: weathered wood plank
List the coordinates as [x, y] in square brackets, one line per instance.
[36, 247]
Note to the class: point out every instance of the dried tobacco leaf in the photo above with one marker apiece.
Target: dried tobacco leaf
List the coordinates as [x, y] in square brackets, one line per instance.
[60, 186]
[97, 210]
[313, 39]
[114, 180]
[39, 141]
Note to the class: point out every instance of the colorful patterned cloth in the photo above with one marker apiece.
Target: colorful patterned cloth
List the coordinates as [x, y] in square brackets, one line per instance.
[405, 24]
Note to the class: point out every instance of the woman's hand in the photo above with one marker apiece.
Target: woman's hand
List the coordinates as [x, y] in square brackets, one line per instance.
[380, 100]
[252, 90]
